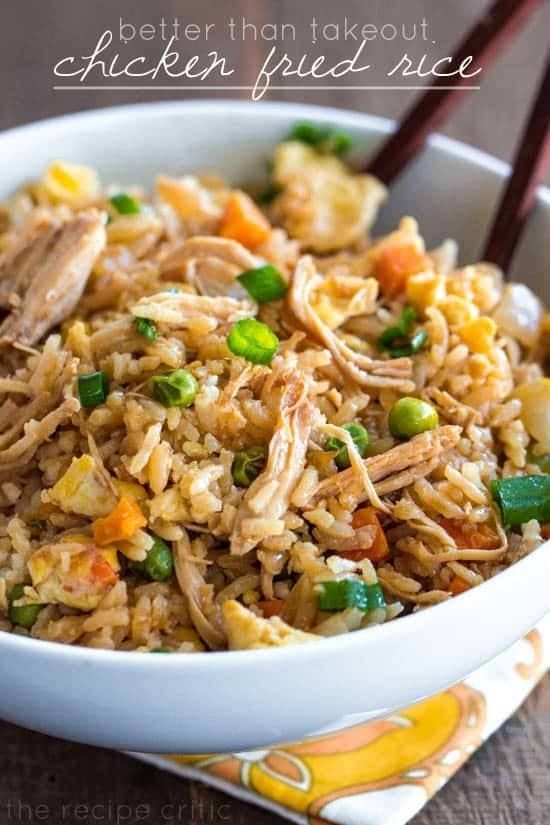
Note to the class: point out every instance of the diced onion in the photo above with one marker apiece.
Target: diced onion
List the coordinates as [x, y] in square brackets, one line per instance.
[535, 410]
[519, 314]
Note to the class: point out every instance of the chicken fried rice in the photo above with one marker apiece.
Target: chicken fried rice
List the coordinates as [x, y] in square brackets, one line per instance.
[236, 419]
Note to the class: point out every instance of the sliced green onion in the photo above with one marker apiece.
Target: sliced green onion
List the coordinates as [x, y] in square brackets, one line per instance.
[264, 283]
[174, 389]
[375, 596]
[23, 615]
[324, 138]
[406, 348]
[160, 650]
[339, 595]
[522, 498]
[360, 438]
[338, 142]
[38, 523]
[247, 465]
[93, 388]
[125, 204]
[146, 328]
[406, 320]
[158, 565]
[542, 461]
[268, 194]
[396, 341]
[253, 340]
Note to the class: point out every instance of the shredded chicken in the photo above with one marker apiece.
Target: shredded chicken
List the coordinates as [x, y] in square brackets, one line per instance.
[23, 427]
[46, 384]
[181, 309]
[210, 264]
[192, 202]
[358, 466]
[268, 497]
[199, 596]
[454, 411]
[35, 433]
[44, 281]
[399, 480]
[22, 258]
[120, 334]
[367, 372]
[401, 461]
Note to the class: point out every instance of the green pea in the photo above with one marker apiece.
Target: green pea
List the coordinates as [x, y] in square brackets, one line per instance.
[23, 615]
[247, 465]
[360, 438]
[146, 328]
[158, 565]
[125, 204]
[412, 416]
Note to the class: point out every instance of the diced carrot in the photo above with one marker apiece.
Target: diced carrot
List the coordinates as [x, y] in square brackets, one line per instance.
[395, 265]
[243, 221]
[379, 549]
[479, 536]
[121, 523]
[101, 571]
[271, 607]
[364, 516]
[458, 586]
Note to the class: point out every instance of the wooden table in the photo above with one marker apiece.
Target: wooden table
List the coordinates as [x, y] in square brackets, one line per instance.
[46, 780]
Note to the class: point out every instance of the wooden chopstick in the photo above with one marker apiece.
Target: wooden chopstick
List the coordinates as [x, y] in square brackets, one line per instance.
[530, 163]
[484, 42]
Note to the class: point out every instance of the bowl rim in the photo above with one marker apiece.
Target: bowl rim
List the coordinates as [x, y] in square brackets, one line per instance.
[411, 623]
[326, 114]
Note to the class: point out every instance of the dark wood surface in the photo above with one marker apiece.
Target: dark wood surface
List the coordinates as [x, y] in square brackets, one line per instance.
[46, 780]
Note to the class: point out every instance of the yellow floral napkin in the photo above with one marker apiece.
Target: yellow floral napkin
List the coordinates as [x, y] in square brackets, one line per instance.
[380, 772]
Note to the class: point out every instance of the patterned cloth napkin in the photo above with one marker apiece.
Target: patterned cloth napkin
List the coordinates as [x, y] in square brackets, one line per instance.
[380, 772]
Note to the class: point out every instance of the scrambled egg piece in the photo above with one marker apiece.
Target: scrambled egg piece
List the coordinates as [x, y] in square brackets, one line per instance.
[246, 631]
[70, 183]
[479, 335]
[110, 554]
[129, 489]
[82, 489]
[425, 289]
[74, 574]
[186, 635]
[322, 204]
[340, 297]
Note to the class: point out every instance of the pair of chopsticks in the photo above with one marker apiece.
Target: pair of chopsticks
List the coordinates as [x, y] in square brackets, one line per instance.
[484, 42]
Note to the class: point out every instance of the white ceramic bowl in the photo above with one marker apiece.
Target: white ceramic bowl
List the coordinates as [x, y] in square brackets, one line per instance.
[232, 701]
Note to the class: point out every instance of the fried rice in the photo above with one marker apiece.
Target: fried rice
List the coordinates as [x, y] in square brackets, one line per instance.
[234, 509]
